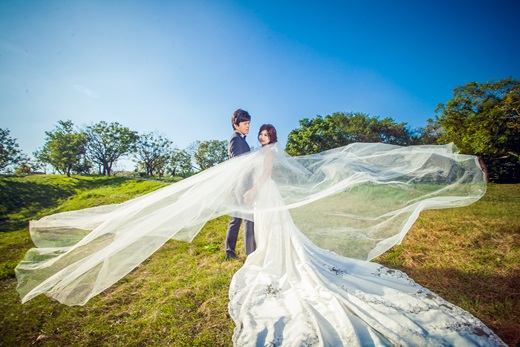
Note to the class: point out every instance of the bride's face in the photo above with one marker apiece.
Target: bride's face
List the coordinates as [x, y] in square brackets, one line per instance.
[263, 138]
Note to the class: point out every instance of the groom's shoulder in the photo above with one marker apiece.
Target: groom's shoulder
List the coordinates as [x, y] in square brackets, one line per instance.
[235, 135]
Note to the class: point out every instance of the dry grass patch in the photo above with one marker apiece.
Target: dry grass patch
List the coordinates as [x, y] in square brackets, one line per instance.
[471, 257]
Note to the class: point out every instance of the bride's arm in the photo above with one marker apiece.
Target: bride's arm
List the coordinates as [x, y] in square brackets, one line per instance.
[268, 168]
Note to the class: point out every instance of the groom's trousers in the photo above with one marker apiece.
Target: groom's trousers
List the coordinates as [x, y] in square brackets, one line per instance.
[232, 236]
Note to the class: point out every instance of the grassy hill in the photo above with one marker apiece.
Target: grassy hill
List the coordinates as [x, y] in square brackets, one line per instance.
[179, 296]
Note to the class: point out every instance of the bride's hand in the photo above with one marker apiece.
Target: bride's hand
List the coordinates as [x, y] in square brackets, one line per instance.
[249, 196]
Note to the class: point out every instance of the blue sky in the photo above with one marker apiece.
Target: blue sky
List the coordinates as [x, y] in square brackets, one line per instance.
[182, 67]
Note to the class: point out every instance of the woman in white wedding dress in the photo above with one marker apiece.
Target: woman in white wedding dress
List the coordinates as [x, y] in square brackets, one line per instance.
[290, 292]
[297, 288]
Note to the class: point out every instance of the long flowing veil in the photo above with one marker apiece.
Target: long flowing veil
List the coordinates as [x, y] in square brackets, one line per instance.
[358, 201]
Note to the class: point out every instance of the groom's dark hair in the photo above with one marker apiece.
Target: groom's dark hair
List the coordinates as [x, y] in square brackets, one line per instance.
[239, 116]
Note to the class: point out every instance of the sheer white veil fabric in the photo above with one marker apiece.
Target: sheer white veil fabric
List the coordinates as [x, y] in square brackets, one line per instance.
[357, 201]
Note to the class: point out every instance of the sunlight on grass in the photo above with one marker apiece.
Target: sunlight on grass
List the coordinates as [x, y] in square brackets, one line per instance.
[470, 256]
[179, 296]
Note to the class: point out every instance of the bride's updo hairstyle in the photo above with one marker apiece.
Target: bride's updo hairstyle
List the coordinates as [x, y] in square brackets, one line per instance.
[271, 132]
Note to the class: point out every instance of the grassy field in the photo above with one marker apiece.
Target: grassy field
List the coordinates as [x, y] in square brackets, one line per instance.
[178, 297]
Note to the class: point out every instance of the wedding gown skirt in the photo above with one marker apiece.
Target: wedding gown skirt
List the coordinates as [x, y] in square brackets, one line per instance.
[291, 293]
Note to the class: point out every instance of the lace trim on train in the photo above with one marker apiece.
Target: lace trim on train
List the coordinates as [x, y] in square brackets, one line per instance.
[426, 301]
[471, 326]
[271, 291]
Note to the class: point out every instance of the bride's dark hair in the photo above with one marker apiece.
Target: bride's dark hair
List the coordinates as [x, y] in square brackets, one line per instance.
[271, 132]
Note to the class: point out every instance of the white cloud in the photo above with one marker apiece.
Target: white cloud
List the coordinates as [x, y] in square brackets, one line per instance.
[86, 91]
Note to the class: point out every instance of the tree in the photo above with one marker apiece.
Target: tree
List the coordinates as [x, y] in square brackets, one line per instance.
[64, 148]
[10, 154]
[483, 120]
[340, 129]
[23, 169]
[109, 142]
[314, 136]
[152, 152]
[429, 134]
[180, 163]
[38, 163]
[209, 153]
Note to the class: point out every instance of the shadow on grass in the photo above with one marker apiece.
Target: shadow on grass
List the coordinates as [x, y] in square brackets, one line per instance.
[10, 225]
[24, 197]
[493, 298]
[92, 182]
[28, 198]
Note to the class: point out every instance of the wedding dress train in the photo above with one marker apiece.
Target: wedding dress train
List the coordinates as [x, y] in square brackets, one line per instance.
[319, 219]
[291, 293]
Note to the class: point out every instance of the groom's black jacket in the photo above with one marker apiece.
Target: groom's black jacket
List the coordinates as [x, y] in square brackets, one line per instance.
[237, 145]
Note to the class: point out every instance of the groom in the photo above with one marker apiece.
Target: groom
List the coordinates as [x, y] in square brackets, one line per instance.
[237, 146]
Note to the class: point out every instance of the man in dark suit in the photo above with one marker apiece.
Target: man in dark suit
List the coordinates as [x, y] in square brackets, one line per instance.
[237, 146]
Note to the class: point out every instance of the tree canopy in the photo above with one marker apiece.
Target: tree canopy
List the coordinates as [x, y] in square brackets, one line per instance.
[153, 153]
[340, 129]
[180, 163]
[483, 120]
[209, 153]
[64, 148]
[10, 153]
[109, 142]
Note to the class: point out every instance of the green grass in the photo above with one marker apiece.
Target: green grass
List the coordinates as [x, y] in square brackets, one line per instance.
[471, 257]
[324, 220]
[176, 297]
[179, 296]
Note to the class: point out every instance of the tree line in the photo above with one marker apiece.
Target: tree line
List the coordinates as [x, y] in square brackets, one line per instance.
[94, 149]
[480, 119]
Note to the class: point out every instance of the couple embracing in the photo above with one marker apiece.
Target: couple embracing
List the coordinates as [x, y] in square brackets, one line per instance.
[241, 121]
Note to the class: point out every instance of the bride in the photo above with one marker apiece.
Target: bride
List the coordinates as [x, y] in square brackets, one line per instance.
[318, 219]
[290, 292]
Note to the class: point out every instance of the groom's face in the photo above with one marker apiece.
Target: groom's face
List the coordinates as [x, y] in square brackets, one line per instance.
[242, 127]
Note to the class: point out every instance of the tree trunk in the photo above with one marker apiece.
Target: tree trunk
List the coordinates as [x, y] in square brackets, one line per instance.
[484, 168]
